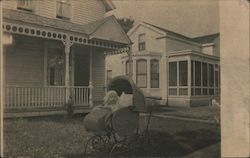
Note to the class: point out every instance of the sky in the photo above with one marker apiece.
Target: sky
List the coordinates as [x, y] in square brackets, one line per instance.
[192, 18]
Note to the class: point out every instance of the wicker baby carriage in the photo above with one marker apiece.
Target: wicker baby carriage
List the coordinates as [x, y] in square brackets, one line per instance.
[113, 129]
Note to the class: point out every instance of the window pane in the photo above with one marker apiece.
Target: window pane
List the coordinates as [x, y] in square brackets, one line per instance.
[204, 74]
[197, 91]
[192, 91]
[211, 75]
[141, 81]
[172, 91]
[192, 73]
[141, 42]
[154, 73]
[109, 75]
[197, 73]
[141, 38]
[211, 91]
[172, 73]
[127, 67]
[141, 67]
[183, 75]
[154, 83]
[204, 91]
[154, 66]
[216, 78]
[183, 91]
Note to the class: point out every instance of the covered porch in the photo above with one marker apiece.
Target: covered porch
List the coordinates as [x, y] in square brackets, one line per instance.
[52, 69]
[193, 78]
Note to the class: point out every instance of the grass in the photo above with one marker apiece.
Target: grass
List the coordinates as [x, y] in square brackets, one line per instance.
[66, 137]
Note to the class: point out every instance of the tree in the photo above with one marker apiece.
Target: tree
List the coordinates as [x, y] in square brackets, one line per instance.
[126, 23]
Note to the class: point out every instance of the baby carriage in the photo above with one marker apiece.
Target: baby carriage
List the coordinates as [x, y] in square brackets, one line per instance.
[117, 129]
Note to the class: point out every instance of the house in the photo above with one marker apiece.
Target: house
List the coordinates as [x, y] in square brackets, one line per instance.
[55, 56]
[182, 71]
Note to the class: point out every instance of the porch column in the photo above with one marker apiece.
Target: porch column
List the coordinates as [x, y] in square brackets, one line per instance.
[67, 44]
[189, 77]
[134, 70]
[130, 62]
[148, 74]
[91, 77]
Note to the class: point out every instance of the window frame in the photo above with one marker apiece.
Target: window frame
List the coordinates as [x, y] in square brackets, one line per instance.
[58, 67]
[209, 88]
[141, 74]
[26, 7]
[108, 77]
[153, 74]
[178, 88]
[142, 44]
[62, 15]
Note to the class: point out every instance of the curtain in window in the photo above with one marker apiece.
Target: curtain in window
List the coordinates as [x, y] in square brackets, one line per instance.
[56, 68]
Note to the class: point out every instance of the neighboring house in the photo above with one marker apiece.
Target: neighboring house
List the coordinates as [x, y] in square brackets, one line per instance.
[182, 71]
[56, 55]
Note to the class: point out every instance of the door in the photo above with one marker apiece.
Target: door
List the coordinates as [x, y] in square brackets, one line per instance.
[81, 70]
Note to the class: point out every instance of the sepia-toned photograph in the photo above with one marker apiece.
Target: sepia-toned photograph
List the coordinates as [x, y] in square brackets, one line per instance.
[124, 78]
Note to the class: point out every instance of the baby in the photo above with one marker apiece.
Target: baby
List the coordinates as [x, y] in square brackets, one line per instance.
[111, 100]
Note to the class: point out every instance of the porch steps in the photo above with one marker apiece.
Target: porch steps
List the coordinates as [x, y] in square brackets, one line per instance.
[32, 112]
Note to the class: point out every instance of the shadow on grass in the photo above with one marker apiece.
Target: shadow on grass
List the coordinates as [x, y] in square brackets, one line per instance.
[162, 144]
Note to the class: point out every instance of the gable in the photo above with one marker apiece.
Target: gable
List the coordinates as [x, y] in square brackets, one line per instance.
[112, 31]
[145, 27]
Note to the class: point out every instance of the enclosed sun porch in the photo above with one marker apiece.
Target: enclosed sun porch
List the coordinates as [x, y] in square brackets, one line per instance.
[54, 69]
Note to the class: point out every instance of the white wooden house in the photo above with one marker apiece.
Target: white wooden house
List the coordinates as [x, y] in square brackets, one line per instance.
[56, 55]
[182, 71]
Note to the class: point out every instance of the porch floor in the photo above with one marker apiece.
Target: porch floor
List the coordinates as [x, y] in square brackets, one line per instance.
[46, 111]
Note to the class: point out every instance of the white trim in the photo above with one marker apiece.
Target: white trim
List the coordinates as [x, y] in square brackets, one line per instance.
[131, 31]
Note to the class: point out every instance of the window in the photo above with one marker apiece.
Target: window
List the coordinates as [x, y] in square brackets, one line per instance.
[24, 5]
[141, 42]
[127, 68]
[141, 73]
[197, 78]
[63, 9]
[217, 80]
[109, 76]
[211, 79]
[154, 79]
[183, 73]
[56, 68]
[178, 78]
[205, 78]
[172, 73]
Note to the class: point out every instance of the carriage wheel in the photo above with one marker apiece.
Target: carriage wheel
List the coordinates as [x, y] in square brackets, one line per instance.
[115, 149]
[96, 145]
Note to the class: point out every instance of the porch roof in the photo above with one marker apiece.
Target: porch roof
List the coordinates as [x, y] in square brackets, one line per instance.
[92, 30]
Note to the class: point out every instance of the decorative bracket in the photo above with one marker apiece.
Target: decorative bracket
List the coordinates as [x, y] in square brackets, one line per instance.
[67, 43]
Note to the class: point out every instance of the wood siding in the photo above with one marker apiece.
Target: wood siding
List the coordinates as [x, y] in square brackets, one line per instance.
[83, 11]
[24, 62]
[98, 75]
[152, 43]
[86, 11]
[175, 45]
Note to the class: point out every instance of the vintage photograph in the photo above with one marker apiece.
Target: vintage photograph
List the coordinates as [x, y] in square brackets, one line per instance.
[123, 78]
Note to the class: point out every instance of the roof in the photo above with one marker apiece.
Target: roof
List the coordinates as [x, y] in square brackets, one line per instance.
[30, 18]
[88, 29]
[170, 32]
[206, 38]
[108, 4]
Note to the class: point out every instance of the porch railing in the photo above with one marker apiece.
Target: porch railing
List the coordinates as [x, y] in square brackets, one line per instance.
[40, 97]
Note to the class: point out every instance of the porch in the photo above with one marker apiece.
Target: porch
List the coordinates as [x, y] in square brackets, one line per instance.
[52, 67]
[34, 101]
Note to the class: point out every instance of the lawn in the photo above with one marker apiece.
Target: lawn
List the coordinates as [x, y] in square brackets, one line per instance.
[60, 136]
